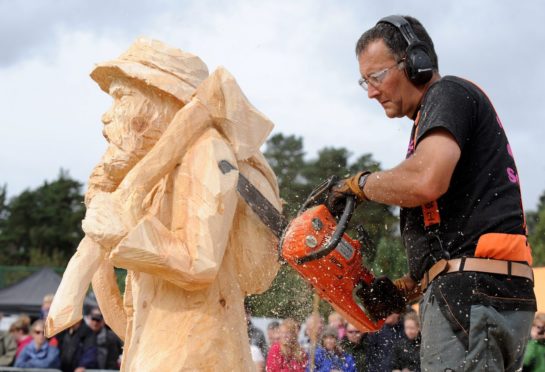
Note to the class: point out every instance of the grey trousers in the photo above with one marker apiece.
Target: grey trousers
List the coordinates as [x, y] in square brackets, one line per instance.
[496, 339]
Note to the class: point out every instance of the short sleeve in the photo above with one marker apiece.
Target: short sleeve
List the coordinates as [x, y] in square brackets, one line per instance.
[448, 105]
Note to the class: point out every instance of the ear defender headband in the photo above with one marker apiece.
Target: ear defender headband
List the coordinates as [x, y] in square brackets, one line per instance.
[418, 64]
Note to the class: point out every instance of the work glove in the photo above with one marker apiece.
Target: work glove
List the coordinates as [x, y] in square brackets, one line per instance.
[381, 298]
[409, 288]
[336, 199]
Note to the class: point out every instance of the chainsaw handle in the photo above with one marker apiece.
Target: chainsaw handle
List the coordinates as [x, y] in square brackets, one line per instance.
[337, 235]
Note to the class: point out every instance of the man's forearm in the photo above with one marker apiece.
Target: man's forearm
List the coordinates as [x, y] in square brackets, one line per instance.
[421, 178]
[395, 187]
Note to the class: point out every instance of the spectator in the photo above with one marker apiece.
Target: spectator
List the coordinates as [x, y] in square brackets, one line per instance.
[314, 326]
[256, 335]
[330, 357]
[19, 331]
[273, 332]
[406, 353]
[8, 347]
[258, 358]
[380, 344]
[78, 349]
[287, 355]
[46, 304]
[38, 353]
[534, 356]
[337, 321]
[107, 343]
[353, 343]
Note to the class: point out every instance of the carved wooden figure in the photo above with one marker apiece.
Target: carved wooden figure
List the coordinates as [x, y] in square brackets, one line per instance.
[159, 206]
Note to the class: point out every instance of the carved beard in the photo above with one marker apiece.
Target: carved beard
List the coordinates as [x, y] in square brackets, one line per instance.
[117, 162]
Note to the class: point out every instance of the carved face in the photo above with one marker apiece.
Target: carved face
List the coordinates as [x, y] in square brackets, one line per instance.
[133, 124]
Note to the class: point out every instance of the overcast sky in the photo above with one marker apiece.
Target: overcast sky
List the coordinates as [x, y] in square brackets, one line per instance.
[294, 60]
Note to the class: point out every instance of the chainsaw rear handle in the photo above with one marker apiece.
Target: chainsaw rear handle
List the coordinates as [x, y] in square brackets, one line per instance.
[337, 235]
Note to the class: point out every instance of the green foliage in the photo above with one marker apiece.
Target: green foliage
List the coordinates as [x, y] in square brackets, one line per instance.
[42, 223]
[391, 259]
[536, 227]
[288, 297]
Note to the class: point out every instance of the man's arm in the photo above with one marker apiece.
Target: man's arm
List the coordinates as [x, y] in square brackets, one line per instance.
[10, 348]
[421, 178]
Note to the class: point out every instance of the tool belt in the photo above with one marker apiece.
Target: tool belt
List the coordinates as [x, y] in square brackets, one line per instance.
[481, 265]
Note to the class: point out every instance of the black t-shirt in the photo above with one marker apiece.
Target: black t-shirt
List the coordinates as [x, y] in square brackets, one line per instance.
[484, 194]
[483, 197]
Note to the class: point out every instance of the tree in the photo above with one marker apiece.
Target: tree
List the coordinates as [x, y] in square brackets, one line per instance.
[45, 222]
[536, 226]
[286, 157]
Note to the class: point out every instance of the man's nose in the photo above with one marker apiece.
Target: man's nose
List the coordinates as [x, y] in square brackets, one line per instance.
[372, 91]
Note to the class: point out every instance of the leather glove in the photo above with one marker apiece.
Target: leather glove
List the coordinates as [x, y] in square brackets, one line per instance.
[336, 199]
[410, 289]
[381, 298]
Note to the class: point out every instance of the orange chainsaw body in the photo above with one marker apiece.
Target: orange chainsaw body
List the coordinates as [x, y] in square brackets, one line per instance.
[335, 275]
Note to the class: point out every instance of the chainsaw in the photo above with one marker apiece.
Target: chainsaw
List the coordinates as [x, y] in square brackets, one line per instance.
[315, 244]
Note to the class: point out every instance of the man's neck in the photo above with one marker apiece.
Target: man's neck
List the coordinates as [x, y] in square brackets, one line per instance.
[436, 77]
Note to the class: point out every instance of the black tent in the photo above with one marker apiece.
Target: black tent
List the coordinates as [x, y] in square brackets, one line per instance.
[26, 296]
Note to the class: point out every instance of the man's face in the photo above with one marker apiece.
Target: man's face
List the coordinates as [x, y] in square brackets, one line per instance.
[274, 335]
[411, 329]
[96, 321]
[38, 334]
[353, 334]
[329, 342]
[394, 92]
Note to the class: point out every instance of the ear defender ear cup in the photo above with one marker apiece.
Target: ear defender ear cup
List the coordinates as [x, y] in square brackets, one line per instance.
[418, 63]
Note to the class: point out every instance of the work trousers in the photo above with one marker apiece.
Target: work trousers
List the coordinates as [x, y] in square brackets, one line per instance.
[497, 339]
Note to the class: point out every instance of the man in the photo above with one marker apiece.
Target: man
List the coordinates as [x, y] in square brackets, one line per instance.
[198, 250]
[353, 343]
[379, 345]
[255, 334]
[459, 194]
[108, 345]
[273, 332]
[77, 348]
[8, 347]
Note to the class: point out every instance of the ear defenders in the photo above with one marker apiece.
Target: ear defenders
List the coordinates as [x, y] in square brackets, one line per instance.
[418, 64]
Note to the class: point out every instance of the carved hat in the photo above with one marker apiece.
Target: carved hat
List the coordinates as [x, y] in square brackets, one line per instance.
[156, 64]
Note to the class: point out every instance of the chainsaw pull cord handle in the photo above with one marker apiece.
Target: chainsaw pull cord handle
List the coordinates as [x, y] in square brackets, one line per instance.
[337, 235]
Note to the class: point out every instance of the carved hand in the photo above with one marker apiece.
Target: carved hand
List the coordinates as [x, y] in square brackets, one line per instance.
[104, 220]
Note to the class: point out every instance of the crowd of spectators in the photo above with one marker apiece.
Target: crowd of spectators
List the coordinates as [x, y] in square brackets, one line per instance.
[88, 344]
[338, 345]
[335, 346]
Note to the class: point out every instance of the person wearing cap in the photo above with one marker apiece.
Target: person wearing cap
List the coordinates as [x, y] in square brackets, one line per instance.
[108, 345]
[330, 356]
[198, 250]
[462, 221]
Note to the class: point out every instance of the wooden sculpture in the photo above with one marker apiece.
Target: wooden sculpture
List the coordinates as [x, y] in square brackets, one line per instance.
[159, 206]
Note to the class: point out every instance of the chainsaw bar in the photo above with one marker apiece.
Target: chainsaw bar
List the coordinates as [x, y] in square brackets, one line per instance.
[262, 207]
